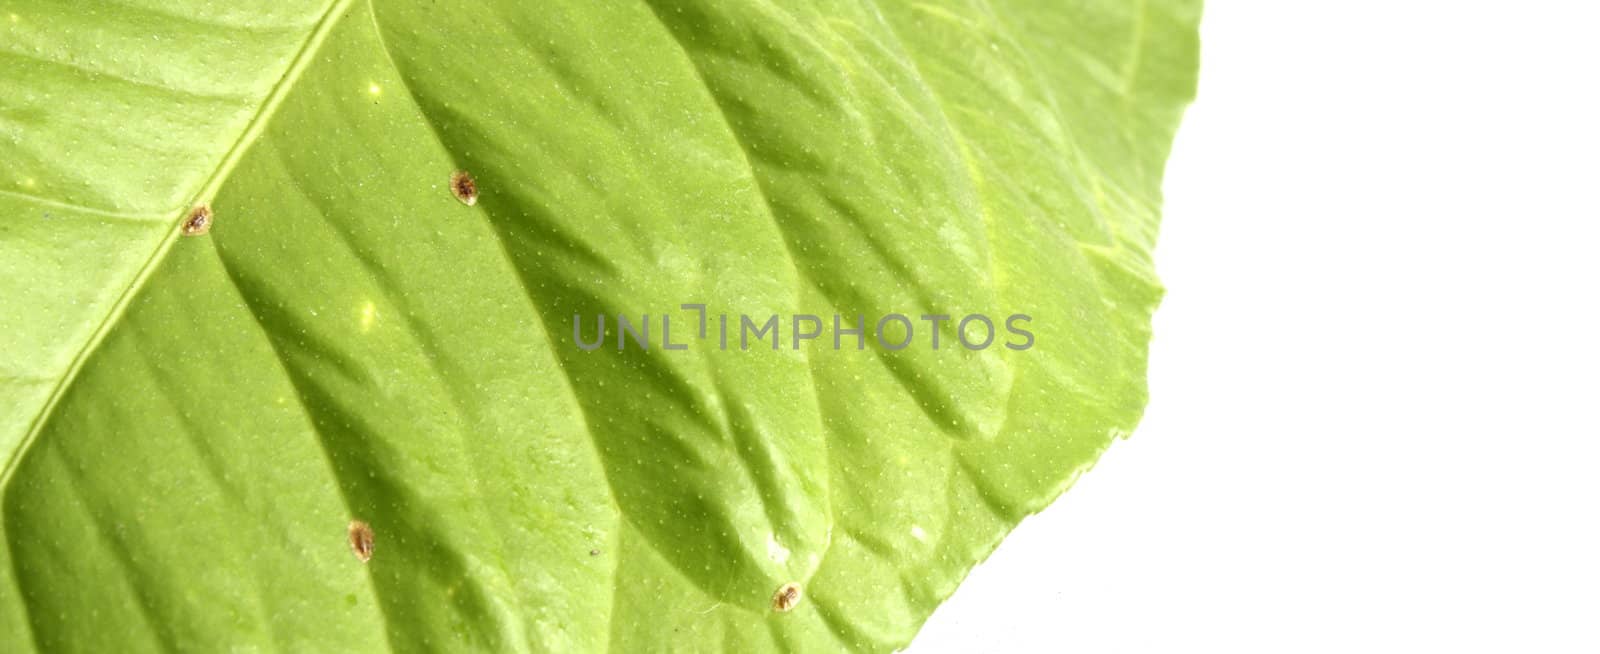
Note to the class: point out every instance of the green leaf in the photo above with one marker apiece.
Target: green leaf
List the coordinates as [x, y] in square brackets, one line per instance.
[190, 424]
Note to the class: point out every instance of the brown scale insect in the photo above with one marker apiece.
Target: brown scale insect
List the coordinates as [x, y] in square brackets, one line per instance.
[361, 540]
[464, 187]
[198, 222]
[786, 598]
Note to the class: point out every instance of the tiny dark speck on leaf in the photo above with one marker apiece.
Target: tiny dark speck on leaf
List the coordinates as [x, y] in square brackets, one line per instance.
[786, 598]
[594, 552]
[361, 540]
[464, 188]
[198, 222]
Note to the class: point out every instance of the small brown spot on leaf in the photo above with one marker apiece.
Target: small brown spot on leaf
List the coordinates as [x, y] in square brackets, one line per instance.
[786, 598]
[198, 222]
[361, 540]
[464, 188]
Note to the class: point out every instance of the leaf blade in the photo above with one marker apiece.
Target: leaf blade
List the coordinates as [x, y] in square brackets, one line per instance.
[528, 495]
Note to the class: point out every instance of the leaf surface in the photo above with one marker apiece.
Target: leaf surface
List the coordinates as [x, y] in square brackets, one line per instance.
[189, 424]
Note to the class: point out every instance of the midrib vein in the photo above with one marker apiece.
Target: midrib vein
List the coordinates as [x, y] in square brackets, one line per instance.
[208, 190]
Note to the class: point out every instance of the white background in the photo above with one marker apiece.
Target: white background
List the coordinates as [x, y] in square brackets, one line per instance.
[1374, 382]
